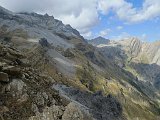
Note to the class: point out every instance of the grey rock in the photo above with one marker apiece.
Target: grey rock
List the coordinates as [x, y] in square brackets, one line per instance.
[45, 95]
[74, 112]
[39, 99]
[23, 98]
[4, 77]
[43, 42]
[49, 113]
[13, 71]
[3, 109]
[96, 104]
[16, 87]
[34, 108]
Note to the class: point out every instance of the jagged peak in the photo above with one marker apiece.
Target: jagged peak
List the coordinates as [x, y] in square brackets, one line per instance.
[46, 16]
[100, 37]
[99, 40]
[43, 22]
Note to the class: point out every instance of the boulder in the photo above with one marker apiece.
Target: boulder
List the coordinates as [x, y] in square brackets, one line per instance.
[74, 111]
[3, 109]
[39, 99]
[17, 88]
[13, 71]
[4, 77]
[49, 113]
[43, 42]
[1, 65]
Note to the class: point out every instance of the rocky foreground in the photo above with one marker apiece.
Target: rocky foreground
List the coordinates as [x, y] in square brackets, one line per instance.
[25, 93]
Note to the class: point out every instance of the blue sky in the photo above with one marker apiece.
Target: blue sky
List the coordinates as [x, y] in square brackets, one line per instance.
[113, 19]
[147, 30]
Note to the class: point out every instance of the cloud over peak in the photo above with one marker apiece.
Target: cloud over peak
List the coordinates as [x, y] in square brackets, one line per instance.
[82, 15]
[86, 14]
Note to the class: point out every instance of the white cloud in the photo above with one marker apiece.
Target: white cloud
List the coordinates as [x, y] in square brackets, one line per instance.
[80, 14]
[85, 14]
[105, 5]
[104, 33]
[119, 27]
[88, 35]
[123, 35]
[125, 10]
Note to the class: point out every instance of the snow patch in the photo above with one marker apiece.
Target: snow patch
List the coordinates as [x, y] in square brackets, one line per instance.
[33, 40]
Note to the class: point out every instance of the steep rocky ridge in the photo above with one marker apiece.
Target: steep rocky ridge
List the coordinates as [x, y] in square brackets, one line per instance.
[141, 51]
[35, 26]
[152, 50]
[27, 87]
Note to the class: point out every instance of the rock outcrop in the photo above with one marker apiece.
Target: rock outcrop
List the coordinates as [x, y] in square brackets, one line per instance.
[101, 107]
[43, 42]
[4, 77]
[70, 112]
[151, 51]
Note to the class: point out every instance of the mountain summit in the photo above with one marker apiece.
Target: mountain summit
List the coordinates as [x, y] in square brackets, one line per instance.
[99, 40]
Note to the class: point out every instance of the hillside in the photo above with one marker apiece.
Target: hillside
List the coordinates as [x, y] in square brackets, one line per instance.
[69, 78]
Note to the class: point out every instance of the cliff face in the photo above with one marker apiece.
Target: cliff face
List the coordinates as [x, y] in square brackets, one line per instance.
[136, 50]
[152, 51]
[143, 52]
[139, 58]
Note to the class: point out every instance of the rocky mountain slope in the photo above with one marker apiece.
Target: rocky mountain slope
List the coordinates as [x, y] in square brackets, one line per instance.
[139, 58]
[27, 93]
[62, 77]
[138, 52]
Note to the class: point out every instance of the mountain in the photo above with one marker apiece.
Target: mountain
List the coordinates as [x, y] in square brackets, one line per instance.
[142, 51]
[49, 71]
[37, 26]
[135, 49]
[139, 58]
[98, 41]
